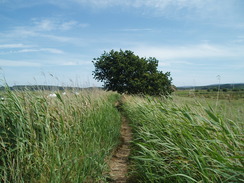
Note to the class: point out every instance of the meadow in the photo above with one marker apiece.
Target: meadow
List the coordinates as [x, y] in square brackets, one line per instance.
[217, 94]
[69, 137]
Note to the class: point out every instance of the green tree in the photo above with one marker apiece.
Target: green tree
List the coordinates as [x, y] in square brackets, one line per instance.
[124, 72]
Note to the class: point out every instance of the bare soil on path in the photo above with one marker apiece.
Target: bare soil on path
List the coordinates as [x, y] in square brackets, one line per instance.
[119, 162]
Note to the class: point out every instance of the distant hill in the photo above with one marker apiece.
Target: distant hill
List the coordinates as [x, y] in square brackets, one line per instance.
[235, 86]
[43, 87]
[214, 86]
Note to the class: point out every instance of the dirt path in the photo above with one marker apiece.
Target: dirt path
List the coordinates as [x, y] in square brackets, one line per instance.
[119, 162]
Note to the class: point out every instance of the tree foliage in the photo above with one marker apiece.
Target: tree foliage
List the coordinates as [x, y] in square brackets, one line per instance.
[124, 72]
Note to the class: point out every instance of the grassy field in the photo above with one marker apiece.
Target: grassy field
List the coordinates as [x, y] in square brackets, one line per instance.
[68, 137]
[226, 95]
[186, 139]
[57, 138]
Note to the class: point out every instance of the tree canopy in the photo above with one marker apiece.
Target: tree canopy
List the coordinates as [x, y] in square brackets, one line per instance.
[124, 72]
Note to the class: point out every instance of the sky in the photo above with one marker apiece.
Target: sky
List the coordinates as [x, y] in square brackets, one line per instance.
[53, 42]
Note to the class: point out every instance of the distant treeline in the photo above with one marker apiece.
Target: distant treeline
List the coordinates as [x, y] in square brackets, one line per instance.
[44, 87]
[239, 86]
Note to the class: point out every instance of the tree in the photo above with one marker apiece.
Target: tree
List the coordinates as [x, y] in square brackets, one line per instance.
[124, 72]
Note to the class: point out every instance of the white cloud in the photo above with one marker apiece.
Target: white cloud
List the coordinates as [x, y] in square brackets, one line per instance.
[238, 40]
[28, 32]
[18, 32]
[190, 51]
[68, 25]
[171, 62]
[50, 28]
[71, 24]
[239, 25]
[18, 45]
[170, 8]
[14, 63]
[41, 28]
[49, 50]
[69, 63]
[45, 25]
[163, 64]
[58, 38]
[136, 30]
[29, 50]
[162, 4]
[100, 3]
[52, 50]
[74, 63]
[54, 24]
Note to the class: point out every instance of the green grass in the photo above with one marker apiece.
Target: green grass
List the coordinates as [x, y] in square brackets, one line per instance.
[61, 139]
[69, 138]
[186, 140]
[227, 109]
[227, 95]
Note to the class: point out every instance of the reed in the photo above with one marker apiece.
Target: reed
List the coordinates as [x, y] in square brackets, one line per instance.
[175, 142]
[65, 138]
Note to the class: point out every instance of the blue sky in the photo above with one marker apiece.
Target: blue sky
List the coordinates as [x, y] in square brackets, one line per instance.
[54, 41]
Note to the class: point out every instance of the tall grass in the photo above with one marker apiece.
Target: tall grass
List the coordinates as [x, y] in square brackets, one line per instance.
[62, 139]
[184, 143]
